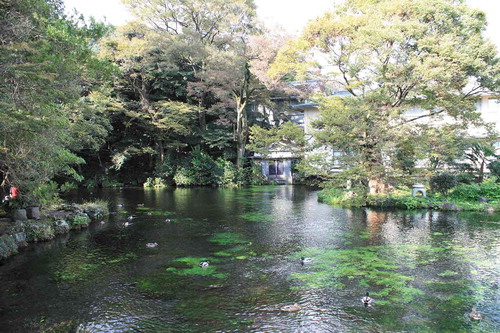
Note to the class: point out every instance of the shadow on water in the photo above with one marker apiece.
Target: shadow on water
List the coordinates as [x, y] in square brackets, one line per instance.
[425, 270]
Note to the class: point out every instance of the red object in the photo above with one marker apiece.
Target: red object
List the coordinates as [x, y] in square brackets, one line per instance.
[14, 191]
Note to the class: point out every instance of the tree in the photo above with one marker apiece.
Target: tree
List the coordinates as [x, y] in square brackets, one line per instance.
[408, 67]
[47, 69]
[149, 102]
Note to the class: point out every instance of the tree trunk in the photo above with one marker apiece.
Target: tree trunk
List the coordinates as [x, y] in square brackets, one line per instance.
[202, 115]
[241, 133]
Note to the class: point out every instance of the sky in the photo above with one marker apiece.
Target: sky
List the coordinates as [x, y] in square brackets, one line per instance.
[292, 15]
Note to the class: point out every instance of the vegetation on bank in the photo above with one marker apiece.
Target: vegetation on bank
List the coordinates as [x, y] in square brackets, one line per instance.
[156, 105]
[483, 196]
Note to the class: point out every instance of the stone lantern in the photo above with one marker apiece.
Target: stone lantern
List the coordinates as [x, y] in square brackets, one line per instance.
[418, 190]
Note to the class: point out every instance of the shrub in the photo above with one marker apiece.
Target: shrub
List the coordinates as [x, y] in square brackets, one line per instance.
[495, 168]
[227, 172]
[443, 182]
[155, 182]
[490, 189]
[465, 178]
[466, 192]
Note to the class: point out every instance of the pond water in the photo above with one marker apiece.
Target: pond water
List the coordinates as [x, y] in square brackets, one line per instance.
[426, 271]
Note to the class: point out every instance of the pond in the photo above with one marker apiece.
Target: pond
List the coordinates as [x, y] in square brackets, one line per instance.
[425, 271]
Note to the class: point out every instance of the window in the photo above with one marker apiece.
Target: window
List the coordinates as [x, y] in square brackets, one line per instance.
[276, 168]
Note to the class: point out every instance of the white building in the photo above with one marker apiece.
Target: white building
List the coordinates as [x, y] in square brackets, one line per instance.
[277, 166]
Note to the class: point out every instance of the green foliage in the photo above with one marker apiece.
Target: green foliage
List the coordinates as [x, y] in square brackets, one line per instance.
[228, 174]
[46, 195]
[489, 189]
[375, 124]
[80, 220]
[47, 64]
[465, 178]
[494, 167]
[287, 137]
[443, 182]
[155, 182]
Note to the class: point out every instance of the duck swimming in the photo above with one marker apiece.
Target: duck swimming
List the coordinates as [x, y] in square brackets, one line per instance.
[304, 260]
[291, 308]
[152, 245]
[475, 315]
[205, 263]
[367, 300]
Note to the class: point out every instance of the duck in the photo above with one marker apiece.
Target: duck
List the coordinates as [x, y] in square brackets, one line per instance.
[367, 300]
[140, 205]
[475, 315]
[152, 245]
[304, 260]
[119, 205]
[127, 224]
[131, 217]
[205, 263]
[102, 222]
[291, 308]
[168, 220]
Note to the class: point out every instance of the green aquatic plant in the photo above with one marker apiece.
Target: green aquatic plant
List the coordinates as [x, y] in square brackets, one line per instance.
[237, 252]
[370, 266]
[158, 212]
[80, 270]
[227, 238]
[256, 216]
[448, 273]
[190, 266]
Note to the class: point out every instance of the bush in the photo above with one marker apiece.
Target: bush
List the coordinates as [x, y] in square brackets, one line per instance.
[443, 182]
[466, 192]
[155, 182]
[473, 192]
[227, 172]
[465, 178]
[495, 168]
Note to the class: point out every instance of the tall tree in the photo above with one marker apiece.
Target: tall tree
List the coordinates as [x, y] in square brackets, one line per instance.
[212, 39]
[150, 103]
[408, 66]
[47, 68]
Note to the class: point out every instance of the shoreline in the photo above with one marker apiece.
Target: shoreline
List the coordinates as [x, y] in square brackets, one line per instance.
[17, 232]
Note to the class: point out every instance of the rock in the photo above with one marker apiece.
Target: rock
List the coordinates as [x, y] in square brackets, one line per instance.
[451, 206]
[489, 209]
[61, 227]
[20, 239]
[19, 215]
[39, 231]
[7, 247]
[33, 213]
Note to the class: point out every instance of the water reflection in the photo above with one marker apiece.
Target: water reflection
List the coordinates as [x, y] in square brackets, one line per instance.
[425, 269]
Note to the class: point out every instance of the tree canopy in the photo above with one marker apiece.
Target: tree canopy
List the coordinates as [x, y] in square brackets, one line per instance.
[407, 66]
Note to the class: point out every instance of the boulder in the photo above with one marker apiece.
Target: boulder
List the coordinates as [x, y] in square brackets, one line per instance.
[451, 206]
[33, 213]
[19, 215]
[61, 227]
[20, 239]
[39, 231]
[7, 247]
